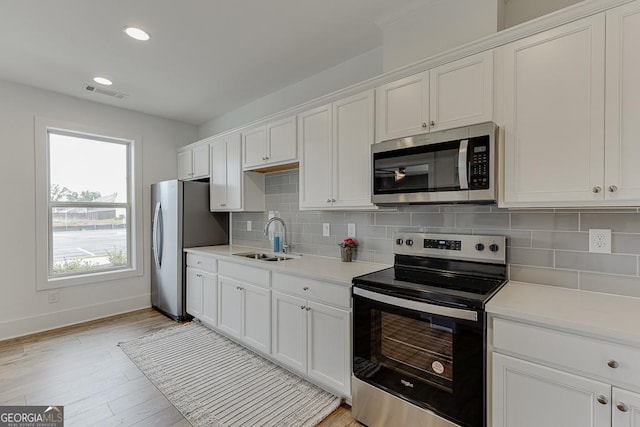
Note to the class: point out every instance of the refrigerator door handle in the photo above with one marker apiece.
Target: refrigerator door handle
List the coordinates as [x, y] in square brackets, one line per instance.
[157, 235]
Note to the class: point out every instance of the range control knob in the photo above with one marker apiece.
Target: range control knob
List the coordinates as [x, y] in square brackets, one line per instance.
[493, 247]
[479, 247]
[399, 241]
[408, 242]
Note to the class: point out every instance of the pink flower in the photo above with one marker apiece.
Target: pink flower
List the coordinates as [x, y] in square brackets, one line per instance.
[348, 243]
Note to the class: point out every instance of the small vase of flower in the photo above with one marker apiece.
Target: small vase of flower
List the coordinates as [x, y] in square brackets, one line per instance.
[347, 247]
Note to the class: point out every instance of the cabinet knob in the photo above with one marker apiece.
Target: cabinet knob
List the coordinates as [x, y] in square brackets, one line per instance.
[302, 307]
[424, 124]
[596, 189]
[266, 158]
[307, 308]
[602, 400]
[613, 188]
[622, 407]
[432, 123]
[306, 288]
[333, 200]
[612, 364]
[328, 200]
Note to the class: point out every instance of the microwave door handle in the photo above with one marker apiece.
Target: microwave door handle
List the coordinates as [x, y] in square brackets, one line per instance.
[462, 165]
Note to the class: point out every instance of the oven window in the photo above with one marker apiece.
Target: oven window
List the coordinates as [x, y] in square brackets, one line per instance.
[424, 168]
[418, 349]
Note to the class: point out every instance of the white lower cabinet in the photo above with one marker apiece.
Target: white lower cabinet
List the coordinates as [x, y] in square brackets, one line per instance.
[194, 292]
[313, 339]
[201, 300]
[244, 311]
[547, 377]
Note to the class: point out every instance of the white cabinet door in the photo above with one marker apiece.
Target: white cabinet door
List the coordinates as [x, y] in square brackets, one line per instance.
[229, 306]
[353, 127]
[315, 137]
[554, 115]
[201, 161]
[529, 395]
[622, 180]
[218, 180]
[403, 107]
[194, 292]
[461, 92]
[209, 314]
[185, 165]
[281, 141]
[289, 331]
[254, 142]
[234, 173]
[626, 411]
[256, 314]
[328, 346]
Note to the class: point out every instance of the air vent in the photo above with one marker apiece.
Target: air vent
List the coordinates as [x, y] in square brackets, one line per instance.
[112, 93]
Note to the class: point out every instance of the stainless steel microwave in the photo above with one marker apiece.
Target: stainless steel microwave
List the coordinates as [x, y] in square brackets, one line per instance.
[452, 166]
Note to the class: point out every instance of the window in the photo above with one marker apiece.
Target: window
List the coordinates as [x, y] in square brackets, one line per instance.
[86, 224]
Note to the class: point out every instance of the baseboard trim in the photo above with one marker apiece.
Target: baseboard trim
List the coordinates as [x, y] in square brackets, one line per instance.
[29, 325]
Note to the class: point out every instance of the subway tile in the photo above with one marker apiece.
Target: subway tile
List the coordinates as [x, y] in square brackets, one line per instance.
[601, 263]
[332, 217]
[544, 221]
[308, 217]
[288, 188]
[433, 220]
[360, 218]
[611, 284]
[300, 238]
[482, 220]
[393, 218]
[544, 276]
[392, 230]
[377, 231]
[339, 230]
[312, 228]
[290, 197]
[304, 248]
[533, 257]
[564, 240]
[625, 243]
[378, 245]
[384, 258]
[617, 222]
[324, 240]
[515, 238]
[465, 208]
[364, 256]
[329, 251]
[419, 208]
[273, 198]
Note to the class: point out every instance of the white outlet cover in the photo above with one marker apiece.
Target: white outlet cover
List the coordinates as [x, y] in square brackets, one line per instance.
[600, 240]
[248, 225]
[351, 230]
[326, 229]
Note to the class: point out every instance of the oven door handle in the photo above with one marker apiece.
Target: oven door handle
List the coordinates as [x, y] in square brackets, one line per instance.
[462, 165]
[456, 313]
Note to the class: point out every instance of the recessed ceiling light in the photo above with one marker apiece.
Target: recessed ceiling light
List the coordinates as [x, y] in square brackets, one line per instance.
[137, 33]
[103, 81]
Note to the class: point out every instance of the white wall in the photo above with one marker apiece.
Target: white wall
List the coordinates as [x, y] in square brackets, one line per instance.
[353, 71]
[23, 310]
[435, 27]
[519, 11]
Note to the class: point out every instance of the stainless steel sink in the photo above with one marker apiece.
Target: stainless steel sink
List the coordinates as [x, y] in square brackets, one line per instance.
[264, 256]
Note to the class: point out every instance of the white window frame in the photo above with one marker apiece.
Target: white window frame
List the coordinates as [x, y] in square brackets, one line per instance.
[44, 261]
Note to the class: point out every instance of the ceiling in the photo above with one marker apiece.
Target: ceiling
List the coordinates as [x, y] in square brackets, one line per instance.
[205, 57]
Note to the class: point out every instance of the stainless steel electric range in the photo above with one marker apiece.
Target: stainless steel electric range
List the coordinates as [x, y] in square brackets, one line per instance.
[419, 331]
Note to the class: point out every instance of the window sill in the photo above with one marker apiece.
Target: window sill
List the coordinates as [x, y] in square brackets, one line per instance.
[89, 278]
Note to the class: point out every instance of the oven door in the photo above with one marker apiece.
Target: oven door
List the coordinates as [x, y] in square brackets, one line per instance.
[430, 355]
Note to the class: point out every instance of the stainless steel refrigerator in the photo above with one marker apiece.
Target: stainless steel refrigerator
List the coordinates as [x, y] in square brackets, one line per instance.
[180, 219]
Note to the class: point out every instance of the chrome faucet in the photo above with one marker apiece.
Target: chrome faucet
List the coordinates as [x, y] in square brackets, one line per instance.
[285, 245]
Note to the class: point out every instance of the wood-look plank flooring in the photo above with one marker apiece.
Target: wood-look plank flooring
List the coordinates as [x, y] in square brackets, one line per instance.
[82, 368]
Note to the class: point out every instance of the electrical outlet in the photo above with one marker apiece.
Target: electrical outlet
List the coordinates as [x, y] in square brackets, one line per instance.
[248, 225]
[351, 230]
[54, 297]
[600, 240]
[326, 229]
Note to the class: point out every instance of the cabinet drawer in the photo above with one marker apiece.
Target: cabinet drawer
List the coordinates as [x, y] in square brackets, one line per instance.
[313, 289]
[245, 273]
[573, 352]
[205, 263]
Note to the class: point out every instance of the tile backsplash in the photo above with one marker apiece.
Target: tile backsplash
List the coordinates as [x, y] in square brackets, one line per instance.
[549, 247]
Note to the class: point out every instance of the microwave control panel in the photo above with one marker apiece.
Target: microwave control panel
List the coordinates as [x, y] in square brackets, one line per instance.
[479, 163]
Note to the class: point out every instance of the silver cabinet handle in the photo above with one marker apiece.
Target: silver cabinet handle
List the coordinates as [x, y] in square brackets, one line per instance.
[432, 123]
[307, 308]
[613, 188]
[424, 124]
[333, 200]
[266, 158]
[223, 204]
[306, 288]
[302, 307]
[596, 189]
[602, 400]
[328, 200]
[622, 407]
[612, 364]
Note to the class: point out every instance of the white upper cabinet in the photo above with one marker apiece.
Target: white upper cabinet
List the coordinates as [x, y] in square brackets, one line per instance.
[335, 160]
[270, 145]
[403, 107]
[193, 162]
[230, 188]
[461, 92]
[622, 124]
[452, 95]
[554, 115]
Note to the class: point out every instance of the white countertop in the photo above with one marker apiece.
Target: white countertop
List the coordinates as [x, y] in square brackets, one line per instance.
[317, 267]
[607, 316]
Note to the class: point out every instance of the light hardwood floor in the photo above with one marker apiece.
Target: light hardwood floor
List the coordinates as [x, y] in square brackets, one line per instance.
[82, 368]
